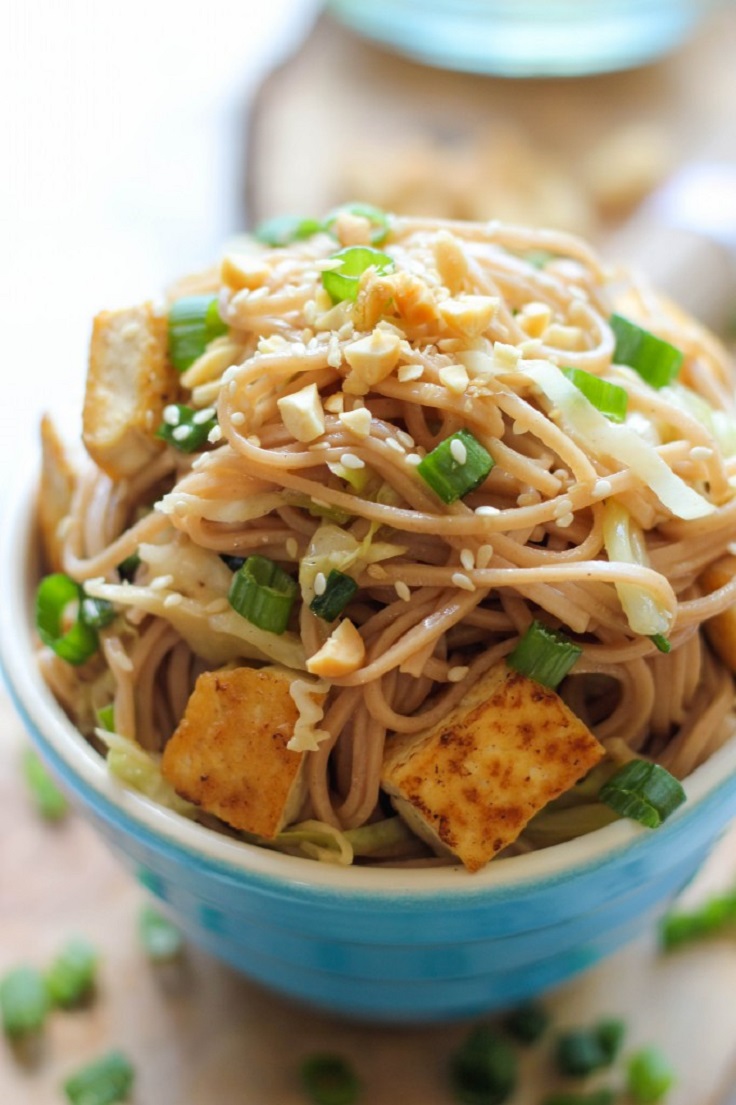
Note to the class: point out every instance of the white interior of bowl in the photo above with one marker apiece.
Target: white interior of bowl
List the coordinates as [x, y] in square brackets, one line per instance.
[17, 558]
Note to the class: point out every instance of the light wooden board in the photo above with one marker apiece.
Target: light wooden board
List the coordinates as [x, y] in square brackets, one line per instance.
[199, 1033]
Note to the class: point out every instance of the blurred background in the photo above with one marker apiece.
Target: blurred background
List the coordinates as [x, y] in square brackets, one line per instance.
[136, 139]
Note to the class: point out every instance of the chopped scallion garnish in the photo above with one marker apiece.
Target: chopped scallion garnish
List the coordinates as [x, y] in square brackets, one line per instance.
[128, 567]
[610, 399]
[716, 915]
[106, 717]
[185, 428]
[602, 1096]
[339, 589]
[661, 642]
[49, 800]
[282, 230]
[194, 321]
[527, 1022]
[58, 619]
[104, 1082]
[263, 593]
[649, 1076]
[160, 937]
[580, 1051]
[379, 220]
[329, 1080]
[96, 613]
[24, 1001]
[456, 466]
[71, 977]
[544, 654]
[343, 282]
[484, 1069]
[654, 359]
[643, 791]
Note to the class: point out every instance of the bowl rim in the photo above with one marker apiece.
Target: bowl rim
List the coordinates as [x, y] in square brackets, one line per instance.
[64, 743]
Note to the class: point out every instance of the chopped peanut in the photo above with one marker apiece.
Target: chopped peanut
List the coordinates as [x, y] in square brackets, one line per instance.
[455, 378]
[371, 359]
[534, 318]
[302, 413]
[357, 421]
[570, 338]
[469, 315]
[244, 270]
[452, 264]
[342, 653]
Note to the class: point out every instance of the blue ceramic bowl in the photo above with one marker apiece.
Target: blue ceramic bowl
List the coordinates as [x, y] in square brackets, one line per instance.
[386, 945]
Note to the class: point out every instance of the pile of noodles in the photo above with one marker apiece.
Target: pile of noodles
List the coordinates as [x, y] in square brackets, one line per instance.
[444, 590]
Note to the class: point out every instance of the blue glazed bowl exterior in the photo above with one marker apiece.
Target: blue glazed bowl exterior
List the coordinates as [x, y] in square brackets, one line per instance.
[385, 945]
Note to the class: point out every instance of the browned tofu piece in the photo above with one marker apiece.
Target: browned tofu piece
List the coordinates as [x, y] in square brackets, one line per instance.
[129, 382]
[55, 491]
[469, 784]
[721, 629]
[229, 755]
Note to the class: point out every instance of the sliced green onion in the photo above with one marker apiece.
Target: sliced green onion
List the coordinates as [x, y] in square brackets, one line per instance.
[456, 466]
[343, 282]
[602, 1096]
[329, 1080]
[654, 359]
[484, 1069]
[24, 1001]
[527, 1023]
[545, 655]
[48, 799]
[194, 321]
[716, 915]
[128, 567]
[188, 430]
[96, 613]
[643, 791]
[379, 220]
[233, 562]
[580, 1051]
[106, 717]
[281, 230]
[57, 597]
[661, 642]
[104, 1082]
[649, 1076]
[263, 593]
[610, 399]
[160, 937]
[339, 589]
[71, 977]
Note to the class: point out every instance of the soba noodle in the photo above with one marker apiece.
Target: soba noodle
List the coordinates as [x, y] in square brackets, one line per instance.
[444, 591]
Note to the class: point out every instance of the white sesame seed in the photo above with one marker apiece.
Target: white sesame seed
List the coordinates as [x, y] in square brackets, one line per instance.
[179, 506]
[254, 440]
[393, 444]
[563, 507]
[229, 373]
[462, 581]
[375, 571]
[467, 559]
[320, 583]
[237, 418]
[414, 459]
[214, 435]
[561, 474]
[204, 415]
[349, 460]
[457, 674]
[181, 433]
[602, 488]
[160, 583]
[409, 372]
[565, 521]
[483, 556]
[171, 415]
[406, 439]
[292, 548]
[518, 428]
[232, 387]
[173, 599]
[458, 450]
[700, 452]
[402, 590]
[528, 498]
[486, 511]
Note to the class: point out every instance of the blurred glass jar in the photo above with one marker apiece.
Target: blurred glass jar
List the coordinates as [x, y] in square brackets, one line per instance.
[526, 38]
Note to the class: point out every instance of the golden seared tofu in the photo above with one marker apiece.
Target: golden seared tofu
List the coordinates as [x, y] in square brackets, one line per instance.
[129, 382]
[721, 629]
[56, 488]
[469, 784]
[229, 755]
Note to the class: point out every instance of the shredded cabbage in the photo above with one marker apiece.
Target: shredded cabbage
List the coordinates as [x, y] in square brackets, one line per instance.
[624, 542]
[315, 839]
[141, 771]
[719, 424]
[333, 547]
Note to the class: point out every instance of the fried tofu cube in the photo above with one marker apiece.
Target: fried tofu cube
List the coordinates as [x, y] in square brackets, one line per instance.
[228, 754]
[721, 629]
[58, 480]
[469, 784]
[129, 382]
